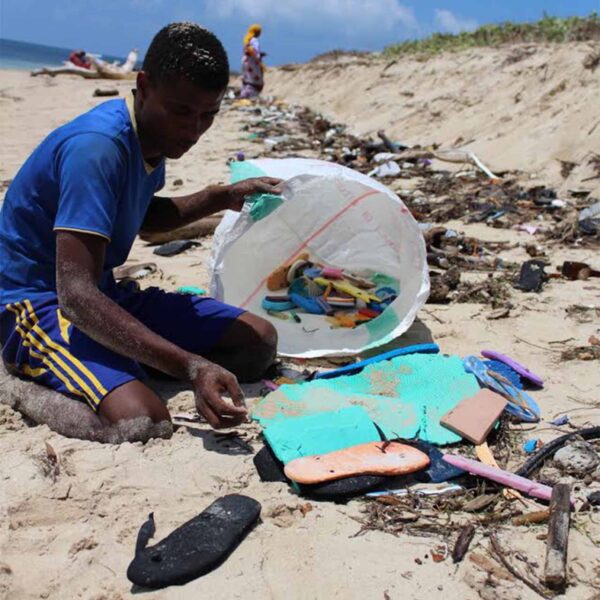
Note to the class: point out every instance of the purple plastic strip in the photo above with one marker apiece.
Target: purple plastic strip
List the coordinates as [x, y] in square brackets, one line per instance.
[513, 364]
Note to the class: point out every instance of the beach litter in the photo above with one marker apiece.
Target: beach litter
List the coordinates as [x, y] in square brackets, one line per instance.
[317, 427]
[175, 247]
[195, 548]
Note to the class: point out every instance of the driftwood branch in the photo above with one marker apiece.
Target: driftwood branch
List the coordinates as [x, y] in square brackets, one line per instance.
[558, 536]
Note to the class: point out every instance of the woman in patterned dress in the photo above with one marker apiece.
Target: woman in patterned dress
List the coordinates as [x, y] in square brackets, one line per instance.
[252, 65]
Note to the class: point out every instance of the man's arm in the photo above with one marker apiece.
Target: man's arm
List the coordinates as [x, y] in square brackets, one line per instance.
[165, 214]
[79, 261]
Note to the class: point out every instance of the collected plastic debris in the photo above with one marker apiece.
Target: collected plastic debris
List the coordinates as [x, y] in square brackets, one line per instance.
[315, 432]
[343, 298]
[474, 417]
[504, 370]
[372, 458]
[356, 367]
[328, 219]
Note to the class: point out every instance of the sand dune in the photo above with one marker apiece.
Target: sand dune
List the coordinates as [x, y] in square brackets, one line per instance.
[524, 107]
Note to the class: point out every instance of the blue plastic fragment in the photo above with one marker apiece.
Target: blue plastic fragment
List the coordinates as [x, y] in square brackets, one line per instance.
[497, 214]
[312, 272]
[438, 470]
[309, 305]
[530, 446]
[277, 305]
[505, 371]
[562, 420]
[377, 306]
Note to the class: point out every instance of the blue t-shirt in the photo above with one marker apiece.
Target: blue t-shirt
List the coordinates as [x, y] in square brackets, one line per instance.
[88, 175]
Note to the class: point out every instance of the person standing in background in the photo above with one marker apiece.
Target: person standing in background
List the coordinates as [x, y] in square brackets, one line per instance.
[252, 64]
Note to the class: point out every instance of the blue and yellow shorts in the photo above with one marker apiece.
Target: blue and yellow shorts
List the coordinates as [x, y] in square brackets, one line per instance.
[40, 343]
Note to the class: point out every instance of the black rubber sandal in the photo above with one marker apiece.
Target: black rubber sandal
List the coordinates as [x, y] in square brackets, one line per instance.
[195, 548]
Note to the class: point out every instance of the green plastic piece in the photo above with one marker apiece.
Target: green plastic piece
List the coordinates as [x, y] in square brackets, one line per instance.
[383, 280]
[192, 289]
[293, 437]
[406, 396]
[262, 204]
[243, 169]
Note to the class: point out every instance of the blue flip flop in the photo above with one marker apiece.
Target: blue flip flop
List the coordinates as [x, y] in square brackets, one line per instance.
[359, 366]
[520, 403]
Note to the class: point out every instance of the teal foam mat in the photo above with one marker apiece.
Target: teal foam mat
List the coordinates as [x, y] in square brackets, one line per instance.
[319, 433]
[406, 396]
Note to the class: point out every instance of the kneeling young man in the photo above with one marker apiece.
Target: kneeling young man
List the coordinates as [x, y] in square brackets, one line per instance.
[71, 215]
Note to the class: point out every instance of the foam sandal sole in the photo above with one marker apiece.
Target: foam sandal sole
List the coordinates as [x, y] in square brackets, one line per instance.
[271, 469]
[373, 458]
[197, 547]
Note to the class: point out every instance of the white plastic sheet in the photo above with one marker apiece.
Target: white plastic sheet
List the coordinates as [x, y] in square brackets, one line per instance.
[341, 218]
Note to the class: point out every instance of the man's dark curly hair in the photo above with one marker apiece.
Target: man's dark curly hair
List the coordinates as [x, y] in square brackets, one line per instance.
[187, 51]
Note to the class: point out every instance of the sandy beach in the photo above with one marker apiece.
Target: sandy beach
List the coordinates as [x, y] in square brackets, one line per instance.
[70, 532]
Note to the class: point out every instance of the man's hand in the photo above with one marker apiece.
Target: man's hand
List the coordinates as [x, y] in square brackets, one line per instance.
[238, 192]
[210, 382]
[166, 214]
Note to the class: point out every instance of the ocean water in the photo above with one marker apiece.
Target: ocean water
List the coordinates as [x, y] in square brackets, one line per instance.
[23, 55]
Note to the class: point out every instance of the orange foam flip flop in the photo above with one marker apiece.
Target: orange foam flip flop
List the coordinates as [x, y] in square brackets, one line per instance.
[373, 458]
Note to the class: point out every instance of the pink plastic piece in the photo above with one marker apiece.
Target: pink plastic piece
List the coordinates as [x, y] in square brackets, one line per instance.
[270, 385]
[332, 273]
[516, 482]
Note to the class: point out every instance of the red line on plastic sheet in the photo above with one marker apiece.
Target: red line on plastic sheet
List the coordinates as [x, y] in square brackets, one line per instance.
[305, 243]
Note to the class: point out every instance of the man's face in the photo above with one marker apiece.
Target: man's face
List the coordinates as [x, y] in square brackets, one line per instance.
[174, 114]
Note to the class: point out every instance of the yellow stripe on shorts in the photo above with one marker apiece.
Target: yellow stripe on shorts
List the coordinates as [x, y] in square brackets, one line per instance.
[45, 360]
[30, 339]
[76, 363]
